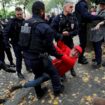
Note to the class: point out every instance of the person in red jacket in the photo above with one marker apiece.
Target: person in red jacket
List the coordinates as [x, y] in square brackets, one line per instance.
[63, 65]
[68, 59]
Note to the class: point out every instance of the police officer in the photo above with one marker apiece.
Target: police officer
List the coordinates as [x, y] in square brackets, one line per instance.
[67, 25]
[37, 43]
[51, 18]
[3, 49]
[12, 31]
[84, 17]
[1, 44]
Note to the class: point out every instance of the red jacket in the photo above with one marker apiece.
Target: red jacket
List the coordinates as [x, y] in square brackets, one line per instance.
[66, 62]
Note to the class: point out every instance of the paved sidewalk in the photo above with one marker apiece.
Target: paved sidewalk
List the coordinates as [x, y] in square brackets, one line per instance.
[78, 91]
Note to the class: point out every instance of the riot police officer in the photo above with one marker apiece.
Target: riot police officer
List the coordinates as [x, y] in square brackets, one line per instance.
[67, 25]
[36, 39]
[84, 17]
[12, 31]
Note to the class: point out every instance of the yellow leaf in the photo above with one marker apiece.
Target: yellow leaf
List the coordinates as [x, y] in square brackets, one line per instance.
[43, 101]
[89, 98]
[94, 94]
[56, 102]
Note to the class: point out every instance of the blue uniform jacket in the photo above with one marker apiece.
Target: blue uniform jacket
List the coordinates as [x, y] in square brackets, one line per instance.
[12, 31]
[83, 16]
[42, 31]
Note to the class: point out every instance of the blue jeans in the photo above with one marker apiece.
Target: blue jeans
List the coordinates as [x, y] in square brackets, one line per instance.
[36, 82]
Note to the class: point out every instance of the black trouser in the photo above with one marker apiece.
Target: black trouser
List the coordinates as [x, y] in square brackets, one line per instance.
[83, 38]
[1, 53]
[18, 54]
[39, 67]
[9, 55]
[98, 51]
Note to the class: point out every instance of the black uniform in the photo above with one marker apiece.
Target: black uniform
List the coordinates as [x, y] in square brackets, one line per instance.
[12, 31]
[35, 45]
[68, 23]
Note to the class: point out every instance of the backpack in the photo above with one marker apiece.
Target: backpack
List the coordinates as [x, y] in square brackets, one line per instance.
[26, 30]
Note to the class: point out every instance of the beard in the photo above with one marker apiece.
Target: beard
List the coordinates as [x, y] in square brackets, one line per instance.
[43, 16]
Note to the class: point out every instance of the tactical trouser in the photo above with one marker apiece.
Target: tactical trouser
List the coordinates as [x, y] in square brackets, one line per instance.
[9, 55]
[1, 53]
[83, 38]
[18, 55]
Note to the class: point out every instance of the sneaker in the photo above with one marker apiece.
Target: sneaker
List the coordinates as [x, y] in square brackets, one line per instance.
[83, 60]
[20, 75]
[58, 92]
[42, 93]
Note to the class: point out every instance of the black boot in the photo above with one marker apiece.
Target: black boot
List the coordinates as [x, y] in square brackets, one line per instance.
[7, 69]
[29, 70]
[63, 78]
[73, 73]
[60, 91]
[96, 65]
[94, 60]
[82, 60]
[42, 93]
[20, 75]
[12, 64]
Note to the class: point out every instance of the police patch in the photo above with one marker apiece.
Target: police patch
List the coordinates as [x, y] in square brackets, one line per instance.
[26, 28]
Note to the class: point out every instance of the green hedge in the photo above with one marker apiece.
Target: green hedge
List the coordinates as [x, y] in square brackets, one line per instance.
[5, 14]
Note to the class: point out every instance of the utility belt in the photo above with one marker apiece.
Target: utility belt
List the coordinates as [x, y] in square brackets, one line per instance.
[41, 55]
